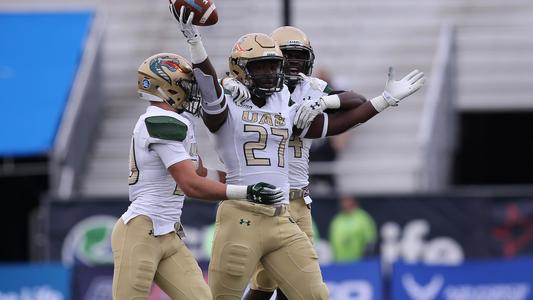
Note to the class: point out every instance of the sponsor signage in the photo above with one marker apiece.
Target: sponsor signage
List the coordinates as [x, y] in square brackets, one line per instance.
[511, 227]
[34, 281]
[80, 232]
[414, 229]
[474, 280]
[354, 281]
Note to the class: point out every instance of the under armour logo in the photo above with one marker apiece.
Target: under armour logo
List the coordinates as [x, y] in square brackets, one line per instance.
[315, 105]
[244, 221]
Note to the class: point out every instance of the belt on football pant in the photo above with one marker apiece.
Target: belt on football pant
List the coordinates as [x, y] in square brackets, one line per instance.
[269, 210]
[180, 231]
[298, 193]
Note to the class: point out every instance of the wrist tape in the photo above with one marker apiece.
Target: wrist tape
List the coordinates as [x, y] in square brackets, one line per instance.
[236, 192]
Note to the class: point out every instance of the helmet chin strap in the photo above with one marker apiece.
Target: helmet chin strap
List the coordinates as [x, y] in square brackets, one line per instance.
[165, 96]
[149, 97]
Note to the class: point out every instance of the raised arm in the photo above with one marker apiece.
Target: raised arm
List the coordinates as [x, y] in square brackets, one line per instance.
[214, 105]
[343, 101]
[349, 101]
[395, 91]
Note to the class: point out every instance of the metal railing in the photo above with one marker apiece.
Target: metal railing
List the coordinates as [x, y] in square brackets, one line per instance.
[437, 133]
[80, 118]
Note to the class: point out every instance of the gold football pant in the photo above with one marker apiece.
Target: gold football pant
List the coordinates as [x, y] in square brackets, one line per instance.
[141, 258]
[301, 213]
[248, 233]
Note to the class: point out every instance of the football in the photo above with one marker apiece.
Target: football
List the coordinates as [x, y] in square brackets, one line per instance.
[205, 11]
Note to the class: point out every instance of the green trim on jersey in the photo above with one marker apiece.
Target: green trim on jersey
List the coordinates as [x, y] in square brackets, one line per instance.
[166, 128]
[226, 92]
[328, 89]
[291, 102]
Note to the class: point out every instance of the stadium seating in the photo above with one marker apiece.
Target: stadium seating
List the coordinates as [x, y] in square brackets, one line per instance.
[357, 43]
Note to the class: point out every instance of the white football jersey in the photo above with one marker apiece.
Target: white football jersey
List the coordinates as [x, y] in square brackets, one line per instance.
[252, 143]
[152, 190]
[299, 147]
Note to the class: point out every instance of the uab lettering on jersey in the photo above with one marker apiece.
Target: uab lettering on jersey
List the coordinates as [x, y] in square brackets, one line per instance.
[275, 120]
[272, 120]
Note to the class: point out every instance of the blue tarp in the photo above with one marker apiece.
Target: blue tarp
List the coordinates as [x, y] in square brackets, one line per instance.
[39, 58]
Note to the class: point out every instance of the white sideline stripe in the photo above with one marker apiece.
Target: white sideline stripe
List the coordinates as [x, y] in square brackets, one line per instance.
[207, 13]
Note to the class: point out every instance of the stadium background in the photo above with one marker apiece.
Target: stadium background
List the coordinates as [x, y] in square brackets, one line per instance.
[450, 170]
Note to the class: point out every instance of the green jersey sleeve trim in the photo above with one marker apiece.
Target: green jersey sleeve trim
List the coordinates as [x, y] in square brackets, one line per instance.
[166, 128]
[328, 89]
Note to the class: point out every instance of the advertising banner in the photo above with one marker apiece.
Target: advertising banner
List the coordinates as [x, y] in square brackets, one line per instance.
[354, 281]
[35, 281]
[476, 280]
[415, 229]
[511, 227]
[93, 283]
[79, 233]
[96, 283]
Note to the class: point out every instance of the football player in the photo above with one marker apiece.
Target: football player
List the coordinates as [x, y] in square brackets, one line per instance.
[305, 90]
[251, 140]
[146, 240]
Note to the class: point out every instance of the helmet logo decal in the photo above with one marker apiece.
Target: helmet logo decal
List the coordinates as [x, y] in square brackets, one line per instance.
[239, 48]
[171, 64]
[146, 83]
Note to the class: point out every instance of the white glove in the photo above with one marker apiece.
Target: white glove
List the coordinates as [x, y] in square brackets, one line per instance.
[239, 91]
[189, 31]
[308, 111]
[396, 90]
[314, 82]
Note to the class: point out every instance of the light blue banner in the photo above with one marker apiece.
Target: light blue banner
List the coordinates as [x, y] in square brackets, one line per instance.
[39, 58]
[43, 281]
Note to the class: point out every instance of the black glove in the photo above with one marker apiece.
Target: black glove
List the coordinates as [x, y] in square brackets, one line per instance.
[264, 193]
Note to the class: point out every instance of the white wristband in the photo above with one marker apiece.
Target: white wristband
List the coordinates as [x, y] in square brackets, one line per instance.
[236, 191]
[197, 50]
[379, 103]
[325, 125]
[332, 101]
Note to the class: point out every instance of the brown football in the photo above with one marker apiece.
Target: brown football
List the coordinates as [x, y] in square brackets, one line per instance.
[205, 11]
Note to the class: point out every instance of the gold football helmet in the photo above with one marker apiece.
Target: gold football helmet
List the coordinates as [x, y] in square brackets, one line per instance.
[257, 62]
[297, 50]
[168, 77]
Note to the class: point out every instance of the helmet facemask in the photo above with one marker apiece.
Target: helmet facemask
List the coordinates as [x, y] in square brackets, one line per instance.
[264, 76]
[192, 104]
[298, 59]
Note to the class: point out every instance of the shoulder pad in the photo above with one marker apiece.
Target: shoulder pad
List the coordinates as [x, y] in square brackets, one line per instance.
[166, 128]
